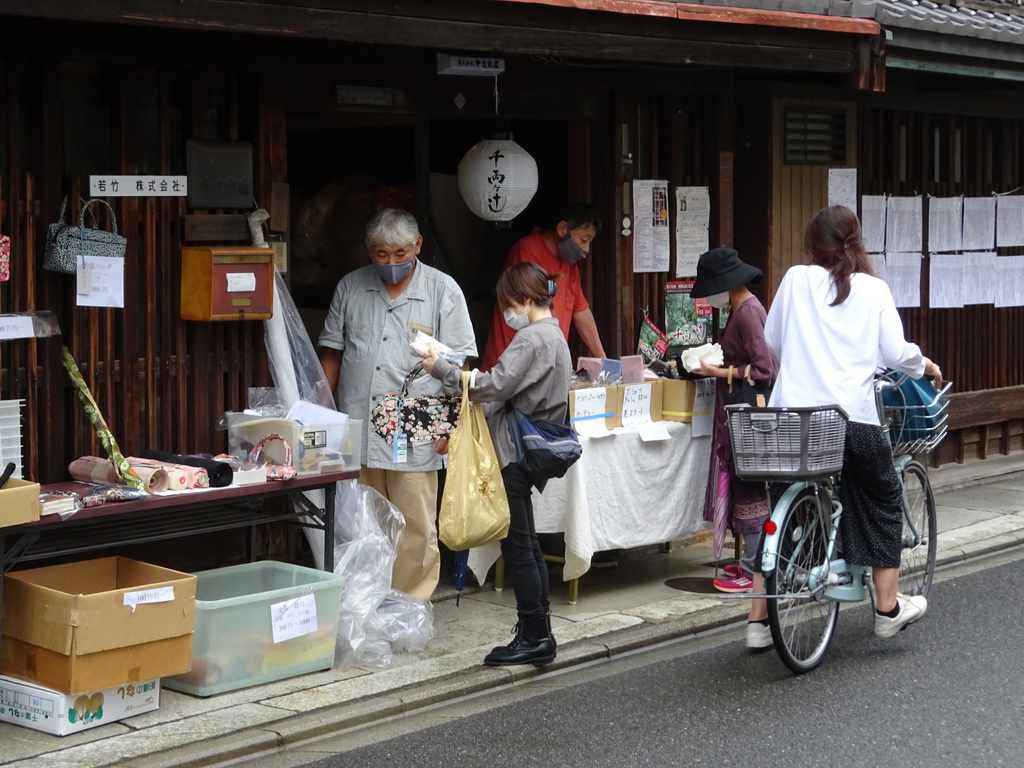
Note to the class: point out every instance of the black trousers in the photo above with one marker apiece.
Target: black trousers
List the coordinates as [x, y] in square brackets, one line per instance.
[524, 562]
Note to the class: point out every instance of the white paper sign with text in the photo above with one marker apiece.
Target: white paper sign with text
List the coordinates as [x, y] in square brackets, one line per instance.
[16, 328]
[591, 408]
[146, 596]
[105, 282]
[704, 408]
[293, 618]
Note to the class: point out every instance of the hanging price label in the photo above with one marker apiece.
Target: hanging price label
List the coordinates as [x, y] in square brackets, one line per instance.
[293, 618]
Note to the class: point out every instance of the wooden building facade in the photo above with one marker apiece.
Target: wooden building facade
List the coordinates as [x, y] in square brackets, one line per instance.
[345, 111]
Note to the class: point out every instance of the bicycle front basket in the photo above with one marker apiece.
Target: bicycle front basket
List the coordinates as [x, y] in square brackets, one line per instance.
[773, 444]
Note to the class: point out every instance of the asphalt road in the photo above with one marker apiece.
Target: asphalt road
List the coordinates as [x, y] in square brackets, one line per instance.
[948, 691]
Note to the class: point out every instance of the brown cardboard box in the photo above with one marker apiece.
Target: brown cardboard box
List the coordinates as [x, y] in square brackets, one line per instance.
[677, 400]
[612, 403]
[73, 627]
[657, 393]
[19, 502]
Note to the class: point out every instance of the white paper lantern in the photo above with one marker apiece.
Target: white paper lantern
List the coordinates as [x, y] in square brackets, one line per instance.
[497, 179]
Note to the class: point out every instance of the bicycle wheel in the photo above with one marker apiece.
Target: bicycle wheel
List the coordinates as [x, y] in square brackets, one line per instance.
[920, 529]
[802, 623]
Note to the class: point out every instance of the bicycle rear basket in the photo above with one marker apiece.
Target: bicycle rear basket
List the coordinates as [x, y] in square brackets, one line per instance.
[787, 443]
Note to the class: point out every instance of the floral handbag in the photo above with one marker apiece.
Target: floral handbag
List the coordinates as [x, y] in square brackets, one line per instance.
[424, 418]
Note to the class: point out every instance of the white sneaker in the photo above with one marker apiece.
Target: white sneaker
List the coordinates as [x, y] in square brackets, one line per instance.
[911, 609]
[758, 635]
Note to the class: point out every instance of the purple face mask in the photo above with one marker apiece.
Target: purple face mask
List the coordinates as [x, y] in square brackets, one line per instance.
[395, 273]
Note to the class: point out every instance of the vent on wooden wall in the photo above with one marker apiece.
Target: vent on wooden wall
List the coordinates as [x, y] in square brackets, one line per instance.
[814, 137]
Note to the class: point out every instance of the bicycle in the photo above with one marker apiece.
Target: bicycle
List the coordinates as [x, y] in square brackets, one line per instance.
[806, 579]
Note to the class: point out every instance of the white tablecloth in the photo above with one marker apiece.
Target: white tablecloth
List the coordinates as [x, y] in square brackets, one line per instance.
[622, 493]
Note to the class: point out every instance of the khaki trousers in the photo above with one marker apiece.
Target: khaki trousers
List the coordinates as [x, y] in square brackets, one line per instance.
[418, 564]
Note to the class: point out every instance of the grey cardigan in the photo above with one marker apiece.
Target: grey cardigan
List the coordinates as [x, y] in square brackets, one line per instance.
[533, 372]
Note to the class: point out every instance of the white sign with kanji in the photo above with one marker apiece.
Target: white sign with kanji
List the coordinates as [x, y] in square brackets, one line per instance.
[293, 618]
[138, 186]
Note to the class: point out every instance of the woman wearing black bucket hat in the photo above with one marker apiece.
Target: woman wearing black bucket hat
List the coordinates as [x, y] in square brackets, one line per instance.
[722, 278]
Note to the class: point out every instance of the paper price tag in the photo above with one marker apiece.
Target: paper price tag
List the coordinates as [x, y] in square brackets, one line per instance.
[84, 279]
[636, 405]
[16, 328]
[146, 596]
[241, 282]
[294, 618]
[704, 408]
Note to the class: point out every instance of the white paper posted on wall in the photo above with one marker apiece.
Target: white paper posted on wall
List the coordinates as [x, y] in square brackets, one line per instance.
[693, 219]
[842, 187]
[103, 283]
[872, 222]
[877, 265]
[903, 276]
[651, 249]
[979, 223]
[904, 227]
[591, 409]
[945, 280]
[1009, 281]
[980, 278]
[1009, 221]
[945, 224]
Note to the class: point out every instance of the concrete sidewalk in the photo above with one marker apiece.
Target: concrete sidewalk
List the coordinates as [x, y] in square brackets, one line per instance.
[619, 609]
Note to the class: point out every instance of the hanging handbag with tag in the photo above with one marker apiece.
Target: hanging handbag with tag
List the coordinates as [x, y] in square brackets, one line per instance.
[743, 390]
[65, 243]
[423, 419]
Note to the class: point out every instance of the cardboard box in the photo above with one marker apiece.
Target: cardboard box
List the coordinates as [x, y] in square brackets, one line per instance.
[612, 403]
[60, 714]
[19, 502]
[98, 624]
[677, 400]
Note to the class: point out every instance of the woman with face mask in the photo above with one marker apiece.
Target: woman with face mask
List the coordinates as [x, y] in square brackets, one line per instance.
[533, 373]
[722, 278]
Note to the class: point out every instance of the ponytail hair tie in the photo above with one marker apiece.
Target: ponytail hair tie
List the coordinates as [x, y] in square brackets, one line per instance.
[552, 288]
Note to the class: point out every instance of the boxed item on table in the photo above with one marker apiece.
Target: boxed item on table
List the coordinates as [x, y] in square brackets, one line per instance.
[677, 400]
[97, 624]
[260, 622]
[323, 446]
[61, 714]
[19, 502]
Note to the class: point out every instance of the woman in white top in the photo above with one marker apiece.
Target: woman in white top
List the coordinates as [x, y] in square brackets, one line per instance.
[831, 326]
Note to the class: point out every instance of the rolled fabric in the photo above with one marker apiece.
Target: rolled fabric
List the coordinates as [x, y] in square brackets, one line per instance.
[219, 474]
[93, 469]
[177, 478]
[155, 478]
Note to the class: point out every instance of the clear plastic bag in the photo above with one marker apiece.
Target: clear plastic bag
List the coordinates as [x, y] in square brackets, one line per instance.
[424, 343]
[374, 621]
[266, 401]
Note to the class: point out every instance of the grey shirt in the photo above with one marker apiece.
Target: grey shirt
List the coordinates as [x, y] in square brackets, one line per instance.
[375, 331]
[533, 372]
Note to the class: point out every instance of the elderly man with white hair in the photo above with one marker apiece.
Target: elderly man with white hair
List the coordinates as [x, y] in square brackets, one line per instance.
[364, 350]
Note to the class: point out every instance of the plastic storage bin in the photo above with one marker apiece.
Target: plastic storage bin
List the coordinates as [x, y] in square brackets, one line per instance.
[307, 442]
[10, 435]
[237, 610]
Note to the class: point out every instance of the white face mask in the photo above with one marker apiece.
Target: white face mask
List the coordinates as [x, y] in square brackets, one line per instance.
[719, 300]
[514, 321]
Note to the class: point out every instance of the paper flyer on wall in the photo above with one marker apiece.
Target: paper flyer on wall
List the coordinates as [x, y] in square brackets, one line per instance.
[904, 227]
[877, 265]
[693, 221]
[651, 249]
[1010, 281]
[980, 278]
[945, 280]
[872, 222]
[842, 187]
[903, 276]
[687, 320]
[945, 224]
[979, 223]
[1009, 221]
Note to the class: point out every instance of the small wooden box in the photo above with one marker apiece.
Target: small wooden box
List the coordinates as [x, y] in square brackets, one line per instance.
[230, 283]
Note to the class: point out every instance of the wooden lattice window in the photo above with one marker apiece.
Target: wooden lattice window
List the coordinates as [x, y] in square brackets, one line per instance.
[814, 136]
